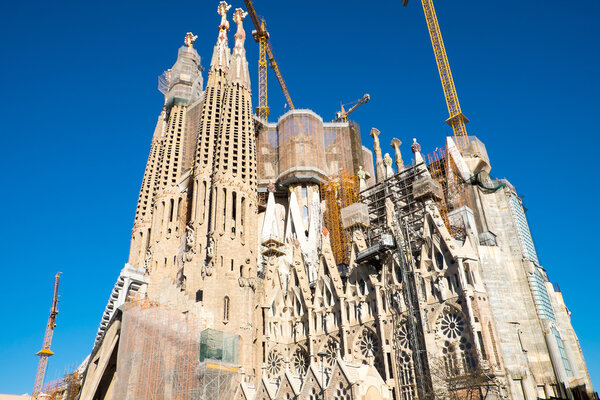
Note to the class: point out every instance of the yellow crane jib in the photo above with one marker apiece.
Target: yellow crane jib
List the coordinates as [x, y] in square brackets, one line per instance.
[457, 119]
[342, 115]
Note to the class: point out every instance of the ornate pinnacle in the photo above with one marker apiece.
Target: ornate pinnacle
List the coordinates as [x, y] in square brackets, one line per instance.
[375, 134]
[190, 39]
[387, 160]
[239, 15]
[222, 10]
[240, 35]
[415, 147]
[397, 154]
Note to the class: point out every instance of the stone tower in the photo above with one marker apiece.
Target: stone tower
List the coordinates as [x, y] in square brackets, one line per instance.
[208, 130]
[228, 264]
[161, 207]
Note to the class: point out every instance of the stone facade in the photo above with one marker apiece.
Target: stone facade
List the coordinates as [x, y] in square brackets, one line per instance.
[442, 294]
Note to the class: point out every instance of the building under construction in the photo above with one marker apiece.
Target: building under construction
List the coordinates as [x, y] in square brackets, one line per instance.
[286, 260]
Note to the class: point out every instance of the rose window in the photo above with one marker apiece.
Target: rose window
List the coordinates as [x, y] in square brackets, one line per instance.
[274, 361]
[367, 344]
[331, 350]
[452, 325]
[403, 336]
[300, 361]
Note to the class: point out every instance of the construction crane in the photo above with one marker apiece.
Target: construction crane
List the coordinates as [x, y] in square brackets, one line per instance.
[261, 36]
[45, 352]
[457, 119]
[342, 115]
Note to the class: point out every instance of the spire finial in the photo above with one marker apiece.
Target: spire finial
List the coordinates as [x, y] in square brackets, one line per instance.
[222, 10]
[220, 58]
[190, 39]
[240, 35]
[415, 147]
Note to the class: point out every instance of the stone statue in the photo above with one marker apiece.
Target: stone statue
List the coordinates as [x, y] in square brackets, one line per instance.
[190, 236]
[210, 249]
[441, 286]
[387, 161]
[148, 260]
[362, 176]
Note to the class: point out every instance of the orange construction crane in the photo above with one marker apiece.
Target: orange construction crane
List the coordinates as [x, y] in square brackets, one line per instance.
[45, 352]
[342, 115]
[457, 119]
[261, 35]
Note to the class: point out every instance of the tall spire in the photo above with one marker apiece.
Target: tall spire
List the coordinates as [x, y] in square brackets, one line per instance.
[238, 69]
[220, 58]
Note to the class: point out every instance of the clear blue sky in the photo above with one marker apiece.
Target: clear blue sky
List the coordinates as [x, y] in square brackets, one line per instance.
[79, 103]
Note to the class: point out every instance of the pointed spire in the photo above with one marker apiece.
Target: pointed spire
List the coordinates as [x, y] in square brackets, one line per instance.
[240, 36]
[238, 68]
[220, 58]
[416, 149]
[397, 154]
[270, 228]
[379, 167]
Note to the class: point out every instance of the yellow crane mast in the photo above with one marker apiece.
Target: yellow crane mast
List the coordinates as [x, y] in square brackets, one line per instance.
[261, 36]
[45, 352]
[457, 119]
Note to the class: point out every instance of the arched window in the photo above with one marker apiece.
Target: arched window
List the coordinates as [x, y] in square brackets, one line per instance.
[226, 309]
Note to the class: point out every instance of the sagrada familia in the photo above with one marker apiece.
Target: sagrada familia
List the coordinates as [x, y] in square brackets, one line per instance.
[286, 260]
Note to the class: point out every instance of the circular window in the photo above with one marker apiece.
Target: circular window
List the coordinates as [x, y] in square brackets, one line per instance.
[452, 325]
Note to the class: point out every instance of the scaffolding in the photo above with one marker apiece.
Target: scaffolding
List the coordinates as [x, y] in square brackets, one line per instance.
[436, 169]
[444, 171]
[339, 192]
[65, 388]
[405, 227]
[177, 366]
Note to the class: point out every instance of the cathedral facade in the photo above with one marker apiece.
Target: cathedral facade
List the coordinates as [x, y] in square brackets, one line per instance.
[287, 261]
